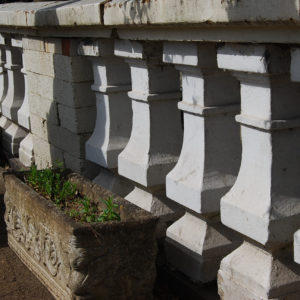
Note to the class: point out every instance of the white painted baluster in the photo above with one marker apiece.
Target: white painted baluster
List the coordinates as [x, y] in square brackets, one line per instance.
[3, 72]
[156, 136]
[208, 163]
[264, 203]
[23, 112]
[4, 123]
[13, 134]
[113, 123]
[15, 92]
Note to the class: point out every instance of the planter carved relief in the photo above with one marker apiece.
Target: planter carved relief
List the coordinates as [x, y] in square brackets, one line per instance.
[110, 260]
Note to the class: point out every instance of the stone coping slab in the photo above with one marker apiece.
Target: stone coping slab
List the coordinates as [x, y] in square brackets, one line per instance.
[74, 13]
[165, 12]
[55, 13]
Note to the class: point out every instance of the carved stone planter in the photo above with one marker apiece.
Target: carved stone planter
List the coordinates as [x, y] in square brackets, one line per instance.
[111, 260]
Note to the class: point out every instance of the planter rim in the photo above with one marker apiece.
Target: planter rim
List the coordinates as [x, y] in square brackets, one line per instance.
[79, 227]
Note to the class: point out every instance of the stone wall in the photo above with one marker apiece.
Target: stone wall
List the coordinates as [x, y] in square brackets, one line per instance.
[189, 109]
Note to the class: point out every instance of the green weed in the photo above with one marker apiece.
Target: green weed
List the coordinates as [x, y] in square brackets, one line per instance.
[52, 184]
[109, 213]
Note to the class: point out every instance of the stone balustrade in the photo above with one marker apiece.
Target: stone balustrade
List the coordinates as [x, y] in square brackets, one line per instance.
[190, 109]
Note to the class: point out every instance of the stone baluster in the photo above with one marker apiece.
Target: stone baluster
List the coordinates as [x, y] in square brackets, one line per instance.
[13, 134]
[26, 154]
[3, 72]
[23, 112]
[15, 92]
[4, 122]
[208, 163]
[113, 123]
[297, 246]
[156, 136]
[264, 203]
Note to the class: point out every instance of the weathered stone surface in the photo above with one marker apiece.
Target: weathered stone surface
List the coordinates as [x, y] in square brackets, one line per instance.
[121, 12]
[45, 154]
[77, 120]
[113, 260]
[68, 68]
[59, 13]
[50, 45]
[252, 273]
[196, 244]
[43, 108]
[59, 136]
[67, 93]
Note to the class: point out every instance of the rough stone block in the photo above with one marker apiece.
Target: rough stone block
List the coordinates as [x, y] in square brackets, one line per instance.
[74, 94]
[73, 69]
[45, 154]
[252, 273]
[72, 143]
[43, 108]
[77, 120]
[39, 62]
[39, 127]
[42, 85]
[39, 44]
[63, 46]
[64, 92]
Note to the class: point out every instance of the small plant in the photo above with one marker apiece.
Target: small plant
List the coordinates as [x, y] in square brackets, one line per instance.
[53, 184]
[109, 213]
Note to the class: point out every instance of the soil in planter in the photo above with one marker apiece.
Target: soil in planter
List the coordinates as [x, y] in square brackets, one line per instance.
[54, 185]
